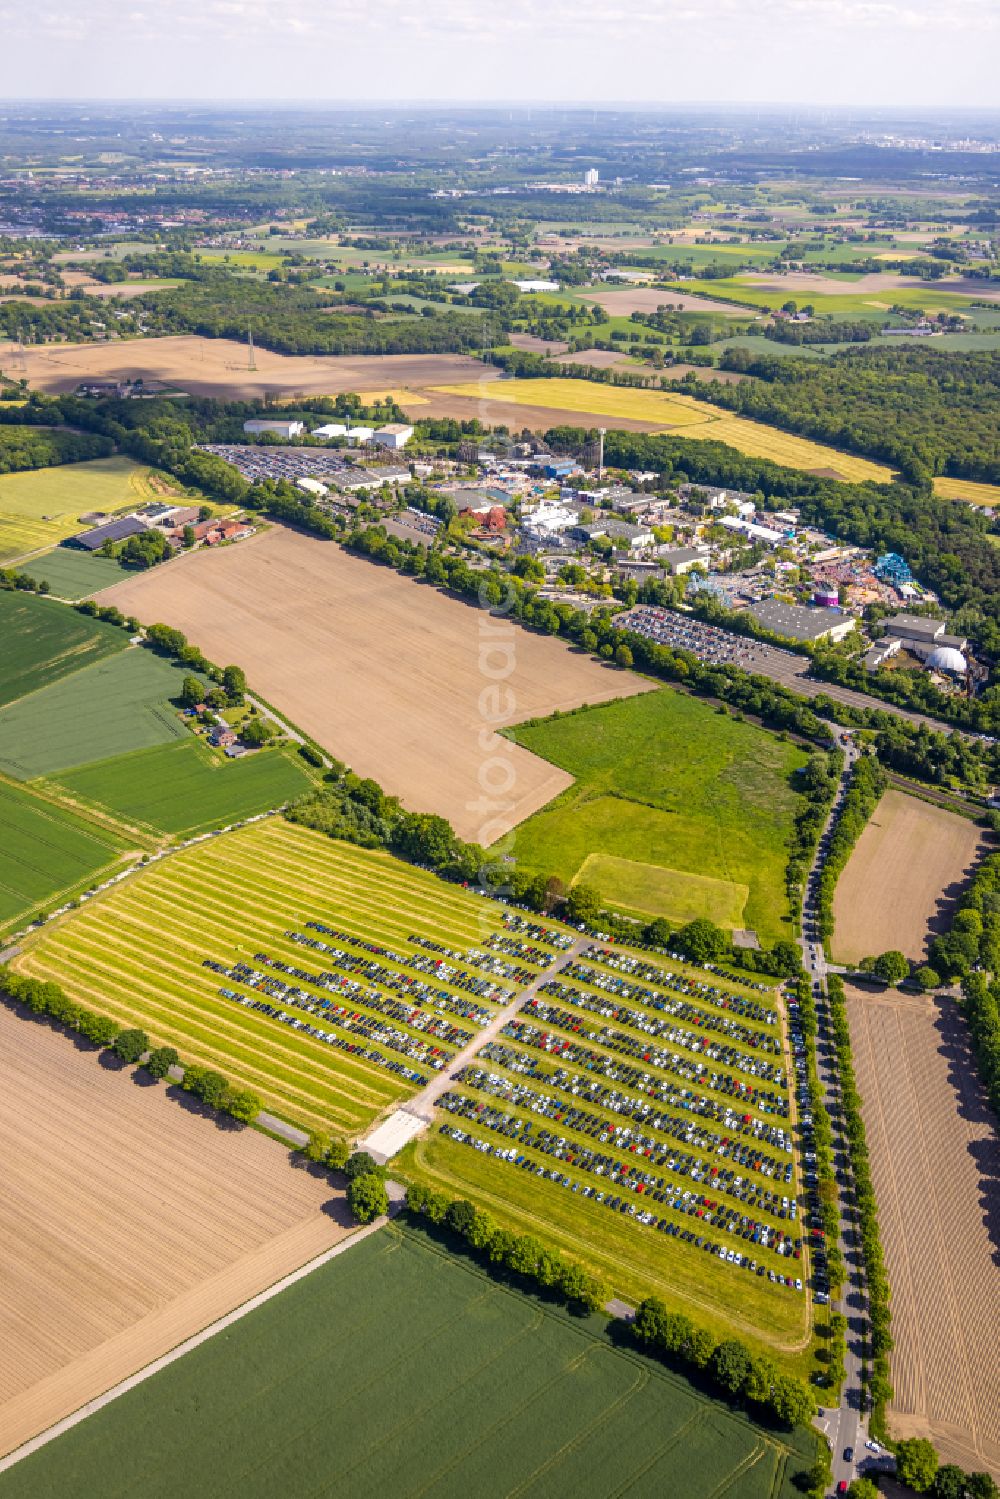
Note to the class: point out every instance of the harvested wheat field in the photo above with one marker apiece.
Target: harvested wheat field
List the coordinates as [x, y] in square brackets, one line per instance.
[386, 673]
[218, 367]
[903, 876]
[127, 1223]
[936, 1168]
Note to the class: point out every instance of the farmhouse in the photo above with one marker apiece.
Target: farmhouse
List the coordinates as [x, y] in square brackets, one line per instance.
[278, 428]
[393, 435]
[797, 622]
[115, 530]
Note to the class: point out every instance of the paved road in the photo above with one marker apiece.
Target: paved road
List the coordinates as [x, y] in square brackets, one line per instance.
[845, 1425]
[422, 1104]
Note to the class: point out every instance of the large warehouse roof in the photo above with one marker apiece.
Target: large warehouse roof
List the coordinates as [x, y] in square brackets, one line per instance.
[115, 530]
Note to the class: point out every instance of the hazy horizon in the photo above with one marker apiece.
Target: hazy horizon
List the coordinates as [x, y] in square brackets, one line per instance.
[797, 53]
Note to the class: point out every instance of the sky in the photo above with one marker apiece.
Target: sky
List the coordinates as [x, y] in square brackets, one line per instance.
[859, 52]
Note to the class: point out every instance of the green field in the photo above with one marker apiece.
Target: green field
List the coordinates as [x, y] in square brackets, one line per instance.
[398, 1369]
[139, 953]
[115, 705]
[653, 890]
[182, 787]
[73, 574]
[41, 507]
[45, 851]
[664, 779]
[43, 641]
[870, 304]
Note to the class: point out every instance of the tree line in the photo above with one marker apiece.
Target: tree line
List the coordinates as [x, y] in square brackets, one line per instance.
[868, 782]
[129, 1045]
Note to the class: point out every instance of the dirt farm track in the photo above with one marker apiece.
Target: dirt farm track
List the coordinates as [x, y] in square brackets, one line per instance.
[399, 681]
[127, 1223]
[936, 1167]
[218, 367]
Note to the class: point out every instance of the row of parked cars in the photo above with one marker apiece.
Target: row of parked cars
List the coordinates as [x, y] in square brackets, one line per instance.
[679, 1127]
[639, 1179]
[677, 1009]
[629, 1207]
[658, 979]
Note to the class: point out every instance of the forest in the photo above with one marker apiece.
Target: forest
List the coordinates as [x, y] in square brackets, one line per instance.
[926, 411]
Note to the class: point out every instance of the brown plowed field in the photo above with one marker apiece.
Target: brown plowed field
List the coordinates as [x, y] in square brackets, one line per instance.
[936, 1168]
[127, 1223]
[387, 674]
[218, 367]
[902, 878]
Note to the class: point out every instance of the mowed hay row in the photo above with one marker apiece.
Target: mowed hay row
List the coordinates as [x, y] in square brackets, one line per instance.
[127, 1223]
[139, 954]
[935, 1165]
[906, 868]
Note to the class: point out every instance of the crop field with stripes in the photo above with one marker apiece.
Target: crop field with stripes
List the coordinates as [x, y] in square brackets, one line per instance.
[476, 1390]
[633, 1109]
[139, 955]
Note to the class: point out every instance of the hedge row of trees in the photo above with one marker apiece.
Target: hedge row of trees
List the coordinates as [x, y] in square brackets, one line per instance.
[47, 998]
[521, 1254]
[729, 1365]
[926, 411]
[868, 781]
[880, 1320]
[970, 951]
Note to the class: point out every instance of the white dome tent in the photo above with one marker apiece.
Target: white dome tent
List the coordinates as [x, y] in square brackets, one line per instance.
[946, 658]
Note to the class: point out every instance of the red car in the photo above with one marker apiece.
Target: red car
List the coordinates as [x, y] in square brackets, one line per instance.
[842, 1486]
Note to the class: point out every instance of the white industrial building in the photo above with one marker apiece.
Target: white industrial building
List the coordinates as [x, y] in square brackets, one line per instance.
[312, 486]
[922, 635]
[280, 429]
[591, 177]
[752, 531]
[359, 434]
[393, 435]
[549, 519]
[330, 429]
